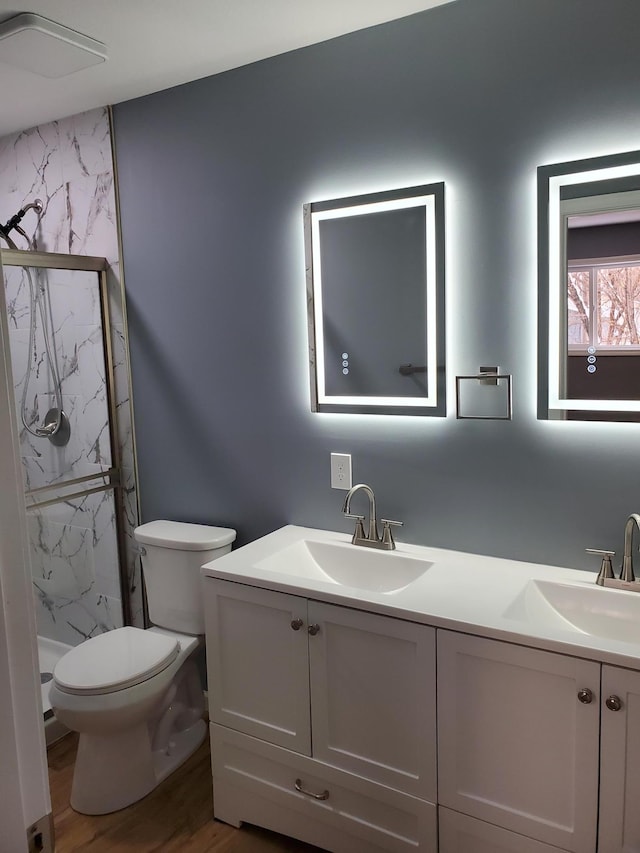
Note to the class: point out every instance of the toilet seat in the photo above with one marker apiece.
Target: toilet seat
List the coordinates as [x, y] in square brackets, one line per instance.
[115, 660]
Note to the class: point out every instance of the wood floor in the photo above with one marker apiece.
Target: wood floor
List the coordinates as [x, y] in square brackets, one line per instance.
[175, 818]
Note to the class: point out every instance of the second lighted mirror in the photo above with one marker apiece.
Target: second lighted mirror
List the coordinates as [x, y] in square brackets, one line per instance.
[589, 238]
[375, 286]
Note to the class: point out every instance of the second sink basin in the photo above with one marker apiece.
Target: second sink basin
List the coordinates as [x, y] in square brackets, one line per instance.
[588, 609]
[347, 565]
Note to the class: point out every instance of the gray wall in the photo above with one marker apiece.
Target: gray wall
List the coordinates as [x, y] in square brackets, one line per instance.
[213, 176]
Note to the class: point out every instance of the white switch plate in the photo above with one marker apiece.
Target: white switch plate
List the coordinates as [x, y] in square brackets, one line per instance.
[341, 471]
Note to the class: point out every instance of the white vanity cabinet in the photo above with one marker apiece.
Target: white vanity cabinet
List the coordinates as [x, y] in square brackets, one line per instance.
[323, 720]
[517, 747]
[323, 713]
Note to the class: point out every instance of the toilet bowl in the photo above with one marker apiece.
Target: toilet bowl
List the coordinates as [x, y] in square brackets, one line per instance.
[133, 695]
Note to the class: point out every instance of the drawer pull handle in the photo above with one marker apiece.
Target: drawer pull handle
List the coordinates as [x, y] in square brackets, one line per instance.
[323, 796]
[613, 703]
[585, 696]
[296, 624]
[313, 629]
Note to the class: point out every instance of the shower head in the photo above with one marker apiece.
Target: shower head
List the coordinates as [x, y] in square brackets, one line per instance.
[14, 222]
[36, 205]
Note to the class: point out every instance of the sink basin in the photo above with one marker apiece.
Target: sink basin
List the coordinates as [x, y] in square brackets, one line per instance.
[588, 609]
[346, 565]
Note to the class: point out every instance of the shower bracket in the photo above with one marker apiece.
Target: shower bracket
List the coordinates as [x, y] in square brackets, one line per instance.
[56, 427]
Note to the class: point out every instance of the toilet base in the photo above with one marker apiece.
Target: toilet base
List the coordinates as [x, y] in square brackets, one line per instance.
[182, 746]
[114, 771]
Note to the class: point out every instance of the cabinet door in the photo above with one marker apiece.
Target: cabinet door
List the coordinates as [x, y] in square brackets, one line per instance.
[619, 830]
[373, 697]
[516, 746]
[460, 833]
[257, 662]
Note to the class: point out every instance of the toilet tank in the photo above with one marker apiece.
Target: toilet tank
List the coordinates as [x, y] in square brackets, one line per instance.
[173, 552]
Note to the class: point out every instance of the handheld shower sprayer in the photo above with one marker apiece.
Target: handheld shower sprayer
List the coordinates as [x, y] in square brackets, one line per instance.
[55, 426]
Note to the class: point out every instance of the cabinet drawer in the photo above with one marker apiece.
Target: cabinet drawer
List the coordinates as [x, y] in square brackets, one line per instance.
[255, 782]
[460, 833]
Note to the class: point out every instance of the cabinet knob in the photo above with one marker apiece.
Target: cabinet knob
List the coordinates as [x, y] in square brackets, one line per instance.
[585, 696]
[313, 629]
[323, 796]
[296, 624]
[613, 703]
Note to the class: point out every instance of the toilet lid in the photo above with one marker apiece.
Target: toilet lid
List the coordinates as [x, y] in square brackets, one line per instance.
[115, 660]
[183, 535]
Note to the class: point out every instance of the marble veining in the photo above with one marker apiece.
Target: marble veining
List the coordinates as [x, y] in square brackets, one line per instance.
[73, 550]
[77, 339]
[68, 165]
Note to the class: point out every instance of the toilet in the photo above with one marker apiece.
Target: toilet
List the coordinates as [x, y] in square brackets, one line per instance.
[135, 696]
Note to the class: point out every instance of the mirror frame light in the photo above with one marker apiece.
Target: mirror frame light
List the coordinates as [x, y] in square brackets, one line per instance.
[614, 173]
[431, 198]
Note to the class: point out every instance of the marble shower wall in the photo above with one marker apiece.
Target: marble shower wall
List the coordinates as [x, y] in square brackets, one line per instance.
[68, 165]
[77, 338]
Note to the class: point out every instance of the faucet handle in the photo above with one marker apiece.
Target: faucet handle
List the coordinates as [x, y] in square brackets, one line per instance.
[387, 535]
[358, 534]
[354, 516]
[606, 568]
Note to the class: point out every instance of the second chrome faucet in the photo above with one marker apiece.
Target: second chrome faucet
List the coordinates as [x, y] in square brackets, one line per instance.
[370, 538]
[606, 576]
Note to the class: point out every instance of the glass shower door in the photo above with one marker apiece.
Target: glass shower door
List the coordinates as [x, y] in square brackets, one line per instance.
[70, 462]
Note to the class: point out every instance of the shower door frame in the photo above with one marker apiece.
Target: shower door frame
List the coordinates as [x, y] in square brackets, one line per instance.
[112, 478]
[25, 799]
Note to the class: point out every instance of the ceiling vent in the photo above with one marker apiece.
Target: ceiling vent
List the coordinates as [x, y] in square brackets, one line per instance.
[43, 47]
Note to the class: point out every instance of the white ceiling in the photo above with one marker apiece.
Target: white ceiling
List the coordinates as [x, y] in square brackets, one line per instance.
[156, 44]
[610, 217]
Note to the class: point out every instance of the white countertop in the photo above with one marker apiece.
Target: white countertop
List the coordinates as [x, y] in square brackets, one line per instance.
[462, 592]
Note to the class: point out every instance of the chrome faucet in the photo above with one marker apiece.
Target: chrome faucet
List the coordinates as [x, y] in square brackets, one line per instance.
[370, 539]
[627, 579]
[627, 574]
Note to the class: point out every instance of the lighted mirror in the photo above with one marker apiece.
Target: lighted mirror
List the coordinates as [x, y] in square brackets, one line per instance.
[589, 289]
[375, 288]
